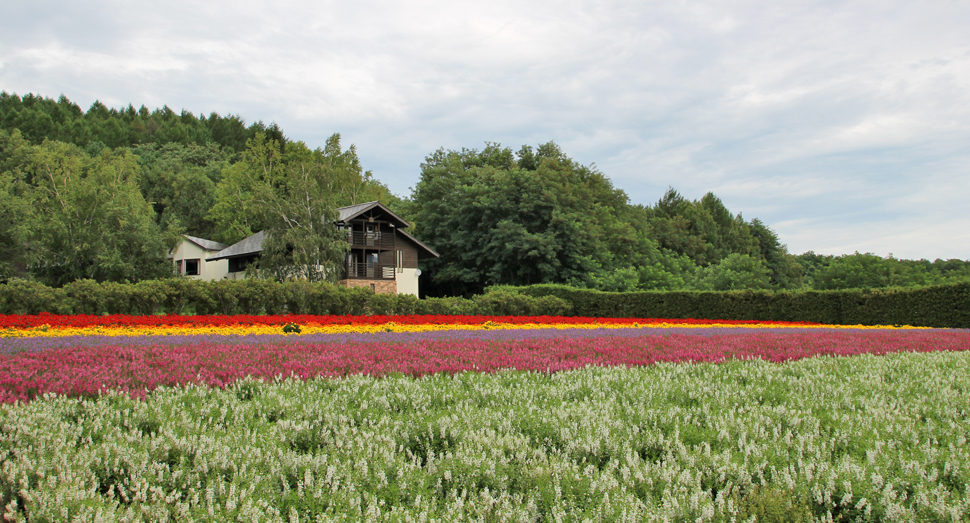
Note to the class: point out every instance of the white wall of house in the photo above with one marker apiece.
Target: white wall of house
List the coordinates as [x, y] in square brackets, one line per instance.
[188, 255]
[407, 281]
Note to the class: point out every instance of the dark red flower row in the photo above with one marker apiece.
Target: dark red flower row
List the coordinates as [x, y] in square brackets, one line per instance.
[13, 321]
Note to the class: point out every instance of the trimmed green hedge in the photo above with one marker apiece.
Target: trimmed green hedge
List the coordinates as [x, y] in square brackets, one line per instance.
[938, 306]
[946, 306]
[186, 296]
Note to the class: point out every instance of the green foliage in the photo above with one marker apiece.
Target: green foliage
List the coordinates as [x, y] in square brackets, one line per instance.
[946, 306]
[703, 230]
[40, 119]
[772, 504]
[302, 239]
[30, 297]
[254, 296]
[499, 302]
[291, 193]
[707, 233]
[622, 279]
[735, 272]
[869, 271]
[499, 218]
[76, 216]
[180, 182]
[101, 194]
[936, 306]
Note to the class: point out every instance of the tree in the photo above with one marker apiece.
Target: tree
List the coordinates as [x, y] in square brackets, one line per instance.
[92, 221]
[292, 193]
[786, 272]
[735, 272]
[302, 239]
[245, 187]
[535, 217]
[854, 271]
[180, 183]
[15, 226]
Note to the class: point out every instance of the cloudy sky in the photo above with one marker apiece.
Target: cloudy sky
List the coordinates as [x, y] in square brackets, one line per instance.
[844, 125]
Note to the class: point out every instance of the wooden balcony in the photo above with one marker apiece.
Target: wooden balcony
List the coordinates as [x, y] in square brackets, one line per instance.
[371, 240]
[374, 271]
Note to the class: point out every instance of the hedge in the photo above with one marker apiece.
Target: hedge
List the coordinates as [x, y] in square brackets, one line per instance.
[938, 306]
[944, 306]
[187, 296]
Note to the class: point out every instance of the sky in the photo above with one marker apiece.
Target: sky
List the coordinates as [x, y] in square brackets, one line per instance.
[843, 125]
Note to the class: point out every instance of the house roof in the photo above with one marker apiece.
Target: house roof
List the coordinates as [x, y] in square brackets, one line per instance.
[353, 211]
[208, 245]
[420, 244]
[254, 244]
[250, 245]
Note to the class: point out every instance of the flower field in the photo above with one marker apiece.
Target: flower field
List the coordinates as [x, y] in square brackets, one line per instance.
[469, 418]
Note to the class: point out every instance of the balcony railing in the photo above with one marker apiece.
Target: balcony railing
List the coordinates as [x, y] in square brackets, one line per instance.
[376, 240]
[374, 271]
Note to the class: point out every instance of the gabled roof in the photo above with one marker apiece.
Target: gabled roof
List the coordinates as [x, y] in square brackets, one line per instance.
[419, 243]
[254, 244]
[353, 211]
[251, 245]
[208, 245]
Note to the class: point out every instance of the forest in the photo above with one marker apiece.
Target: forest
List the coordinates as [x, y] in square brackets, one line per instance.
[103, 194]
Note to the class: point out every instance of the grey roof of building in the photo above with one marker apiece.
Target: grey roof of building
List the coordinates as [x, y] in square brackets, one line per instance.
[254, 243]
[208, 245]
[352, 211]
[251, 245]
[419, 242]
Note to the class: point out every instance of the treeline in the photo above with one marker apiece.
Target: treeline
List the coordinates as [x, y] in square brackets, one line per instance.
[70, 210]
[869, 271]
[535, 216]
[38, 119]
[104, 194]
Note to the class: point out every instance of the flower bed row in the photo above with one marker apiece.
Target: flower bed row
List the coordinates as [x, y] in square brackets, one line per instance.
[62, 325]
[136, 369]
[86, 320]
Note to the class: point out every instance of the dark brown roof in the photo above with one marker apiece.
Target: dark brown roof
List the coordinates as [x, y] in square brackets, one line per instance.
[419, 243]
[352, 211]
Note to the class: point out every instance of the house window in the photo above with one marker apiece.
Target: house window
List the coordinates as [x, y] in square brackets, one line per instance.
[192, 267]
[400, 261]
[240, 264]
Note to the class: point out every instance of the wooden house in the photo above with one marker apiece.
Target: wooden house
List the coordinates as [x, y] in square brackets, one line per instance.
[382, 256]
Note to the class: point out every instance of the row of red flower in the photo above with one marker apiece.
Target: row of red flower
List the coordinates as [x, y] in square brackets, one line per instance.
[88, 371]
[15, 321]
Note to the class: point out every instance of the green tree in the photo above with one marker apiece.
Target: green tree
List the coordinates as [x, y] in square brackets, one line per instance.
[302, 237]
[180, 183]
[241, 195]
[500, 218]
[854, 271]
[735, 272]
[291, 193]
[92, 221]
[16, 219]
[786, 272]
